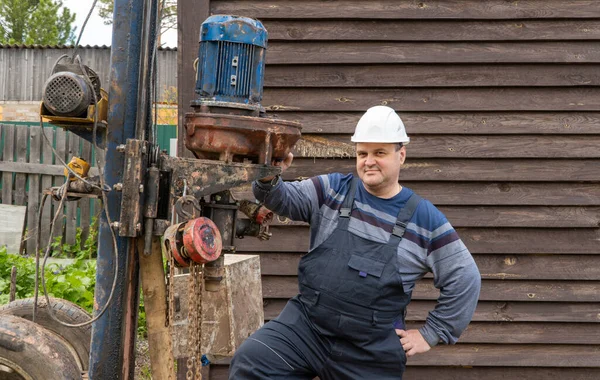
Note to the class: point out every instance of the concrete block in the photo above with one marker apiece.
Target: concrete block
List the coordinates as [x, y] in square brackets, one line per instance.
[12, 223]
[229, 315]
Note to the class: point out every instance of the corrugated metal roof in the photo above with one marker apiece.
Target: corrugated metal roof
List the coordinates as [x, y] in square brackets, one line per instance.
[22, 46]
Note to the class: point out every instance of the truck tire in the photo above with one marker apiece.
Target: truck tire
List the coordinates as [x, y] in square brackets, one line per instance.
[30, 352]
[78, 339]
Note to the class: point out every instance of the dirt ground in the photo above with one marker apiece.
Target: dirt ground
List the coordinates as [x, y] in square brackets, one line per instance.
[142, 360]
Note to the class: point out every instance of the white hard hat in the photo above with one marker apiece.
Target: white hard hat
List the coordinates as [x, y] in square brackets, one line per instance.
[380, 124]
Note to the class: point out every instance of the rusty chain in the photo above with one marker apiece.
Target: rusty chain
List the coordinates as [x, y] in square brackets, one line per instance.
[170, 312]
[194, 322]
[192, 318]
[198, 323]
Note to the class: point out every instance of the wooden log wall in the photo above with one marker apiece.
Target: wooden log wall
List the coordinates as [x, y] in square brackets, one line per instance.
[28, 167]
[502, 103]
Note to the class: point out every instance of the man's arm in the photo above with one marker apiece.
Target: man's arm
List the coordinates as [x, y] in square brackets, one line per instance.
[459, 282]
[294, 200]
[457, 277]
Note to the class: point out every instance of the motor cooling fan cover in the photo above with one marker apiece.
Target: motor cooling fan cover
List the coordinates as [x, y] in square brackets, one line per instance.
[67, 94]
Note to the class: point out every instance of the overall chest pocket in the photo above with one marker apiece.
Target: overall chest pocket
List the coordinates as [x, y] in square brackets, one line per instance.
[358, 280]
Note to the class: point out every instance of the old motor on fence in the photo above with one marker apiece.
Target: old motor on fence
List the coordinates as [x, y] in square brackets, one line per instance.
[235, 143]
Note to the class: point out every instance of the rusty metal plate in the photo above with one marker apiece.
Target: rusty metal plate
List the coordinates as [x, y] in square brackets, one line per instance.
[236, 138]
[203, 177]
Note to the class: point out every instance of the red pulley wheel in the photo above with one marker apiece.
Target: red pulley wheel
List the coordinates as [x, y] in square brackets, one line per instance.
[202, 240]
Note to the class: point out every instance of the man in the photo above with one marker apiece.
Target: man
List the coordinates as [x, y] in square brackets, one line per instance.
[371, 239]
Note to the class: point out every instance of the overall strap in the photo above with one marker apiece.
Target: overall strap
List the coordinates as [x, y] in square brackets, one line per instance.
[346, 209]
[404, 217]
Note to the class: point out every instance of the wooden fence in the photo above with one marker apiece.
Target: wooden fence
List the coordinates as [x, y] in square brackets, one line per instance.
[28, 167]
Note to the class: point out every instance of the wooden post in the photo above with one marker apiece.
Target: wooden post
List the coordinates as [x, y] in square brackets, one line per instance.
[155, 295]
[33, 194]
[22, 133]
[8, 155]
[13, 284]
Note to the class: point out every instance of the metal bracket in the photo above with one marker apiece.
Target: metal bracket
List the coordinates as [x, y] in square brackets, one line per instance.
[134, 170]
[206, 177]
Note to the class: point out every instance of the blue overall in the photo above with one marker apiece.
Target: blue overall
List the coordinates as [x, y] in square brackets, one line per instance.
[341, 325]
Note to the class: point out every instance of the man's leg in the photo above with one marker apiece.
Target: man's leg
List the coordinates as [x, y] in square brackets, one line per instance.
[270, 353]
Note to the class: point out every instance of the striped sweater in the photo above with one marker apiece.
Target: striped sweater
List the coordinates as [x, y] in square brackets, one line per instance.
[430, 243]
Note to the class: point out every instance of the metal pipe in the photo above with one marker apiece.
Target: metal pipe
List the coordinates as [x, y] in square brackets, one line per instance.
[224, 216]
[107, 357]
[143, 101]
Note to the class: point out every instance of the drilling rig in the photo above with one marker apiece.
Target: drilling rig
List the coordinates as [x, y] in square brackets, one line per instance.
[179, 211]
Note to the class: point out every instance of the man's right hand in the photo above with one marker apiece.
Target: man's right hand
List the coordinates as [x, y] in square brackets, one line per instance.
[283, 164]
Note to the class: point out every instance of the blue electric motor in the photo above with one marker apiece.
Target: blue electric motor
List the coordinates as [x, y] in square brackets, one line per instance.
[231, 63]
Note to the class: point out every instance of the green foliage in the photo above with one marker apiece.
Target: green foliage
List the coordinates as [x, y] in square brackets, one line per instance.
[168, 20]
[44, 22]
[74, 281]
[90, 245]
[142, 326]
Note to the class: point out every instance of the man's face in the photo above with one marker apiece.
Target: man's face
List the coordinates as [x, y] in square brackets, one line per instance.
[378, 165]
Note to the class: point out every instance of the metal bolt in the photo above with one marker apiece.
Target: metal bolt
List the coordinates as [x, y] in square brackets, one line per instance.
[118, 187]
[121, 148]
[141, 188]
[115, 225]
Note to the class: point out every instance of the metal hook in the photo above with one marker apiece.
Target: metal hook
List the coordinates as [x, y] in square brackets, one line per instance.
[186, 199]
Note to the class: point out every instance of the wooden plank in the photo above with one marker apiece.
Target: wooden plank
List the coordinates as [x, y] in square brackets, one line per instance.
[414, 169]
[8, 132]
[391, 9]
[499, 373]
[465, 146]
[530, 240]
[189, 12]
[429, 75]
[22, 137]
[539, 267]
[508, 193]
[12, 226]
[59, 179]
[221, 372]
[512, 267]
[491, 290]
[528, 333]
[490, 311]
[491, 193]
[472, 123]
[288, 53]
[521, 216]
[71, 208]
[46, 183]
[436, 99]
[53, 170]
[432, 30]
[510, 355]
[33, 201]
[479, 240]
[85, 204]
